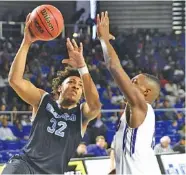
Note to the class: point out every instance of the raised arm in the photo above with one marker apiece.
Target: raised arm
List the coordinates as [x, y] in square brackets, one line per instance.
[91, 108]
[25, 89]
[132, 94]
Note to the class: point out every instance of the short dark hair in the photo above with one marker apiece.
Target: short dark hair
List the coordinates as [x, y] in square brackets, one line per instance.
[153, 78]
[61, 76]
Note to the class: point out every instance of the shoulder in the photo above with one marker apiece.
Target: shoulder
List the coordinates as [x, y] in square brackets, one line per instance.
[92, 146]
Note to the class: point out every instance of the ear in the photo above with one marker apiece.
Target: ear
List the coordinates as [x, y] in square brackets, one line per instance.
[146, 92]
[60, 88]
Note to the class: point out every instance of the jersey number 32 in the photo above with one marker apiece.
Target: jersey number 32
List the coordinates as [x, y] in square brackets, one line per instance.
[53, 129]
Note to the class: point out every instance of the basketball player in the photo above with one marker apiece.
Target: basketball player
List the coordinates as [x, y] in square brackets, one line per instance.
[132, 144]
[58, 126]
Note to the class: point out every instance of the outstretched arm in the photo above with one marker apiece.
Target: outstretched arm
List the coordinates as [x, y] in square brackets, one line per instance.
[92, 106]
[132, 94]
[25, 89]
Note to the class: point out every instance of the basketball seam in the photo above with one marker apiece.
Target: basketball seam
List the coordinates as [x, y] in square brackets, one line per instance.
[54, 18]
[44, 25]
[34, 33]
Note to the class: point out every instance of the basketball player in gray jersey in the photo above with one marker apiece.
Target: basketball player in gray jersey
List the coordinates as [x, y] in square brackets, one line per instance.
[132, 142]
[58, 126]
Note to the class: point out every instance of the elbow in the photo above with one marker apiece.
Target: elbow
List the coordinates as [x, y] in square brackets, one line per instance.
[95, 106]
[12, 81]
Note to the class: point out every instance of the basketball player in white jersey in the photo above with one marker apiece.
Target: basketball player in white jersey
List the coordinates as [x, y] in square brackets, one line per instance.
[132, 143]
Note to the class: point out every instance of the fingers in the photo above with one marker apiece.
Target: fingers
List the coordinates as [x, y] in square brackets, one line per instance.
[66, 61]
[69, 62]
[28, 17]
[69, 44]
[104, 18]
[81, 47]
[111, 37]
[98, 20]
[74, 44]
[27, 20]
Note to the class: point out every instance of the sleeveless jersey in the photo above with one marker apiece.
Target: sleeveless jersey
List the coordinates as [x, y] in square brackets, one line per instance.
[54, 137]
[133, 147]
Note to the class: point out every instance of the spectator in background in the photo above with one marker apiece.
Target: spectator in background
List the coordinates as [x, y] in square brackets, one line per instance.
[107, 93]
[117, 98]
[174, 127]
[76, 16]
[168, 115]
[95, 128]
[114, 118]
[171, 98]
[4, 99]
[171, 88]
[182, 132]
[5, 132]
[3, 108]
[180, 118]
[82, 151]
[98, 149]
[181, 146]
[163, 146]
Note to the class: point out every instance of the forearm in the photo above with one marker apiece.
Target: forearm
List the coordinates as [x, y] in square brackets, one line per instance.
[90, 92]
[18, 65]
[116, 70]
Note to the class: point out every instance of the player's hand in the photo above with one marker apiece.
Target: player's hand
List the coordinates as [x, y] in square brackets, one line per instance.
[103, 26]
[28, 37]
[76, 59]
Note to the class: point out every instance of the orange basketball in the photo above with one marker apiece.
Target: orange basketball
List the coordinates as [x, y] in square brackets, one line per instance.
[46, 22]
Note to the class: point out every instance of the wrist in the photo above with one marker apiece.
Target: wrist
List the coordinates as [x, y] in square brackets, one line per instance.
[26, 43]
[83, 70]
[105, 39]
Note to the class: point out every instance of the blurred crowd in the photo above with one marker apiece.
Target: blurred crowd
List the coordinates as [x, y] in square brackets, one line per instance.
[148, 51]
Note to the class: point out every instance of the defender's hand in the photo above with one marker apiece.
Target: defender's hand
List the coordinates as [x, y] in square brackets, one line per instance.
[103, 27]
[76, 59]
[28, 37]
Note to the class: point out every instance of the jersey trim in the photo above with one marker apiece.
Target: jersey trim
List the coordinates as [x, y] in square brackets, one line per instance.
[124, 136]
[133, 141]
[124, 113]
[81, 106]
[34, 116]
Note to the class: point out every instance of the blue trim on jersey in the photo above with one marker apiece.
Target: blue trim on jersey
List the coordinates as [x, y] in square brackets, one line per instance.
[153, 141]
[124, 136]
[131, 141]
[134, 140]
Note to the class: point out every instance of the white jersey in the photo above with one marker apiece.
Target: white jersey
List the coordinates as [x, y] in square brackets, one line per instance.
[133, 147]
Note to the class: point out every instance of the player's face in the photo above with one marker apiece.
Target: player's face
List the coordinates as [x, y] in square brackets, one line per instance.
[72, 89]
[139, 82]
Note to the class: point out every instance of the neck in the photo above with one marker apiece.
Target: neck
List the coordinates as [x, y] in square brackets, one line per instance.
[65, 104]
[148, 101]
